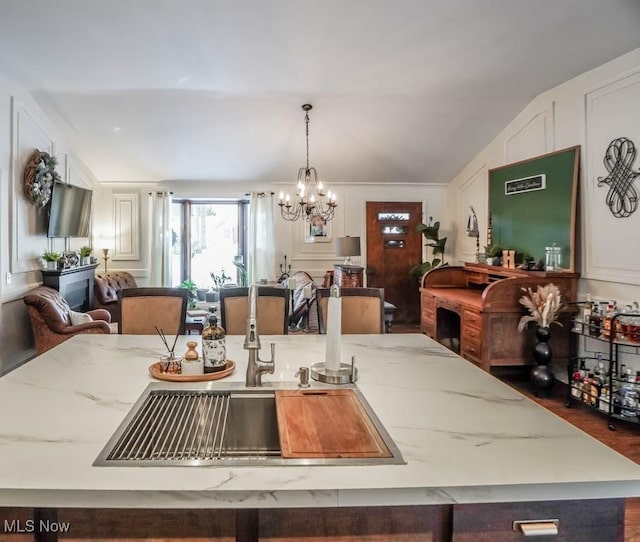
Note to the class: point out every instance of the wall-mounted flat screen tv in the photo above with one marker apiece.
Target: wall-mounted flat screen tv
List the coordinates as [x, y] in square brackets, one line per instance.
[70, 211]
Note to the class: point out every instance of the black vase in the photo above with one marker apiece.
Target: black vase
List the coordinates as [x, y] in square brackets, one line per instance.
[542, 352]
[541, 375]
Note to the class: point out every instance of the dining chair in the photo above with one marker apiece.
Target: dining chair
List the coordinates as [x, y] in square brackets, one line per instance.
[362, 310]
[273, 310]
[144, 309]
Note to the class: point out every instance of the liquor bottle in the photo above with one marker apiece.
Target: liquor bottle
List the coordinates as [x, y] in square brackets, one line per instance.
[629, 406]
[586, 310]
[577, 379]
[588, 389]
[214, 349]
[599, 371]
[595, 322]
[605, 397]
[607, 317]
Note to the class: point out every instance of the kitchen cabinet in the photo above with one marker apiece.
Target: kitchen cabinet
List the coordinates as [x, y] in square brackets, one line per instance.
[574, 520]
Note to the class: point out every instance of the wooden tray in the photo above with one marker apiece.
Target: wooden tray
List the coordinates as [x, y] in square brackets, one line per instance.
[156, 372]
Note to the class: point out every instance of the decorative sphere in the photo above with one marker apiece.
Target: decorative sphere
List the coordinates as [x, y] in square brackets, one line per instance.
[542, 377]
[542, 353]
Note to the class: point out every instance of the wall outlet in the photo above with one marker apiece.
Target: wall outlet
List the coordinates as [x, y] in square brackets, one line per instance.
[8, 278]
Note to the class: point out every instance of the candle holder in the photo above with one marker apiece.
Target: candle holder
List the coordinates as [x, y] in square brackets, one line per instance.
[105, 257]
[284, 270]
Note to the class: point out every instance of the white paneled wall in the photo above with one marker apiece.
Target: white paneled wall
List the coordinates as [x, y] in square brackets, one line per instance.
[315, 258]
[612, 111]
[126, 221]
[590, 110]
[473, 192]
[28, 224]
[534, 138]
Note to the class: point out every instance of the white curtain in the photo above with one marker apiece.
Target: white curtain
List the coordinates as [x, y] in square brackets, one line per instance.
[260, 249]
[160, 229]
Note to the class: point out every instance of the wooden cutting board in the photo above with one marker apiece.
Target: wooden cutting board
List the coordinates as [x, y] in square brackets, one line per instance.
[326, 423]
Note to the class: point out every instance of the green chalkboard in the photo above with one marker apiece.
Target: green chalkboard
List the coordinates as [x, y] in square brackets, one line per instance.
[532, 204]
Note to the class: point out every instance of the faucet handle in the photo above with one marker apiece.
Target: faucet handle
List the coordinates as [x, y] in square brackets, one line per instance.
[303, 373]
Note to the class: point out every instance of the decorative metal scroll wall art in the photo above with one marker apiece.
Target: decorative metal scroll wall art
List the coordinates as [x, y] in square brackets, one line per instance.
[622, 197]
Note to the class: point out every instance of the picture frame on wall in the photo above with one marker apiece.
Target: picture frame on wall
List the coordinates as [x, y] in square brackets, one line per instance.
[317, 230]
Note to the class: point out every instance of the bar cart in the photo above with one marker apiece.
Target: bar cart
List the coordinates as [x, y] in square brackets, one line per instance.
[601, 381]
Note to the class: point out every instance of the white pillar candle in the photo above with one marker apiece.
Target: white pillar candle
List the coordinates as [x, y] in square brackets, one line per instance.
[306, 292]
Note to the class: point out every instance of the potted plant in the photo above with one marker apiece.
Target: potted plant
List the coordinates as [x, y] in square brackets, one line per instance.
[85, 255]
[193, 293]
[218, 282]
[51, 258]
[494, 254]
[437, 244]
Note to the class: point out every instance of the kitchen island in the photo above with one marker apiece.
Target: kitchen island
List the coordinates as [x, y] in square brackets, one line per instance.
[468, 440]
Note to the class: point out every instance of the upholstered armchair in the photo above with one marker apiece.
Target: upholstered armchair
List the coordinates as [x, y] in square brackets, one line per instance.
[50, 318]
[105, 291]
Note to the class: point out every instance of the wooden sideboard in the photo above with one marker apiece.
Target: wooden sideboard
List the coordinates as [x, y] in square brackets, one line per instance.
[474, 309]
[348, 276]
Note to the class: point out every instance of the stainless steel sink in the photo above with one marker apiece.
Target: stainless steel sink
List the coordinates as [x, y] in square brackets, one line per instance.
[206, 424]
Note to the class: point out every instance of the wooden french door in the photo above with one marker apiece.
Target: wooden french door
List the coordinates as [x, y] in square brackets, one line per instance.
[393, 247]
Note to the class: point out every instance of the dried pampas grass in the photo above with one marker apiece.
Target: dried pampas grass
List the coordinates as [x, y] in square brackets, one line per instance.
[543, 305]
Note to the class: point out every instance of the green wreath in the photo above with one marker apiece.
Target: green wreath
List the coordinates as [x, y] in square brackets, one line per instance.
[39, 176]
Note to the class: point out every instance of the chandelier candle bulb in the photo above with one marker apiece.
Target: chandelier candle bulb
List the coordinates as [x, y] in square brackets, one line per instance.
[334, 330]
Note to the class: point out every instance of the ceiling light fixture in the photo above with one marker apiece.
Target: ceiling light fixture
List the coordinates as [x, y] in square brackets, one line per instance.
[310, 198]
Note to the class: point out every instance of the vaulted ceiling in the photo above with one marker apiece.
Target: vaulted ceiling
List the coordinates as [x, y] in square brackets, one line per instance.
[402, 90]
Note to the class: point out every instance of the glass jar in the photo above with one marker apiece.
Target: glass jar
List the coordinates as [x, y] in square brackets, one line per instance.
[552, 258]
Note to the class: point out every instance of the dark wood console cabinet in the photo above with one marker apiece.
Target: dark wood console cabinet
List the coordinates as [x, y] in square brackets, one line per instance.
[75, 284]
[475, 310]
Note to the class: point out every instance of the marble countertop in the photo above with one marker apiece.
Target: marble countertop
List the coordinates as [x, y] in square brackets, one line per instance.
[465, 435]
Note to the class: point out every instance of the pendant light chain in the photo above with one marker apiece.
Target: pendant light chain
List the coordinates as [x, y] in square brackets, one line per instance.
[306, 121]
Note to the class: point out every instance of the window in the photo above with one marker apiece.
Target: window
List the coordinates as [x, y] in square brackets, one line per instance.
[206, 237]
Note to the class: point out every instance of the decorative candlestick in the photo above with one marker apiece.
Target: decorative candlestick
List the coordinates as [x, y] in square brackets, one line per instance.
[105, 257]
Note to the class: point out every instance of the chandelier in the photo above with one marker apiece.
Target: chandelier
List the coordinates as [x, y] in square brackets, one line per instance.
[310, 199]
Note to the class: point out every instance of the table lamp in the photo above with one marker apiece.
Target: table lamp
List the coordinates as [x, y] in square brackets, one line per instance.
[347, 247]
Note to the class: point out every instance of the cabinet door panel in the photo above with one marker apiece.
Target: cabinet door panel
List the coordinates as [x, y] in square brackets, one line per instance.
[579, 521]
